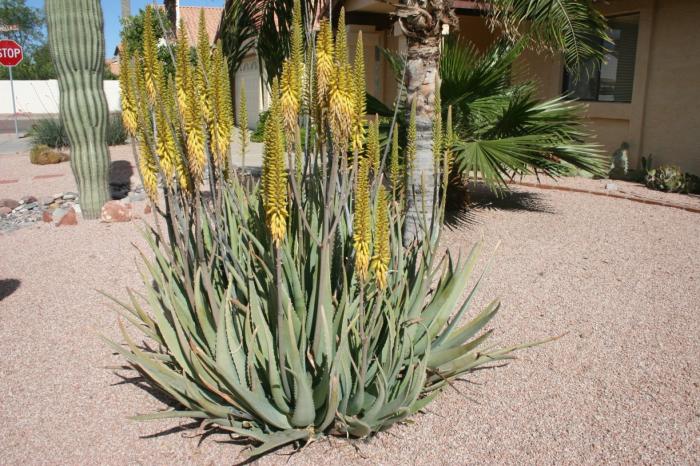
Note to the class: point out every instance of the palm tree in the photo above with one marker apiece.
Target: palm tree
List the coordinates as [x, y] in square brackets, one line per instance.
[573, 27]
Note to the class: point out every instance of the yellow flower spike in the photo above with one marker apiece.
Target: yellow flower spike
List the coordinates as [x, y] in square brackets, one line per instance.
[341, 41]
[203, 70]
[274, 176]
[127, 96]
[297, 47]
[163, 148]
[176, 141]
[243, 134]
[395, 165]
[341, 107]
[151, 64]
[382, 252]
[196, 157]
[147, 167]
[362, 220]
[219, 126]
[290, 100]
[437, 130]
[373, 148]
[324, 62]
[182, 59]
[410, 153]
[359, 98]
[448, 142]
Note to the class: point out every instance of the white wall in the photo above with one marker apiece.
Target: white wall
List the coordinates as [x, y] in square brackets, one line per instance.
[248, 75]
[42, 96]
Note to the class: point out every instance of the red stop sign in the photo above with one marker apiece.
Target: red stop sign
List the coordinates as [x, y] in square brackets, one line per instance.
[10, 53]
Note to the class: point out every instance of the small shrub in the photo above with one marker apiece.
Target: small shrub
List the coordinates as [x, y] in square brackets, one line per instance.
[49, 132]
[259, 133]
[669, 178]
[52, 133]
[44, 155]
[116, 133]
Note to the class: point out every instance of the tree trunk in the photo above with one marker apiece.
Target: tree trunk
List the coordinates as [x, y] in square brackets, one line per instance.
[126, 8]
[422, 78]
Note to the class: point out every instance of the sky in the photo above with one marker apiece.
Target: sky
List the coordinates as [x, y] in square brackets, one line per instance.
[111, 10]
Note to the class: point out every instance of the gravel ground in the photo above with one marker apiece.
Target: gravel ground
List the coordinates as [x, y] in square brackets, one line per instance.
[620, 280]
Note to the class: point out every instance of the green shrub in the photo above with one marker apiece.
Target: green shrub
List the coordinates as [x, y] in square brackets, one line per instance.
[51, 132]
[259, 133]
[116, 133]
[667, 178]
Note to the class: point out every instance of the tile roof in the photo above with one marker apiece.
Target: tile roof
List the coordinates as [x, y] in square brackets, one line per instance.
[190, 17]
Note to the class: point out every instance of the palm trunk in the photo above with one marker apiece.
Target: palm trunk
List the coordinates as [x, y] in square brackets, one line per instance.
[422, 77]
[126, 8]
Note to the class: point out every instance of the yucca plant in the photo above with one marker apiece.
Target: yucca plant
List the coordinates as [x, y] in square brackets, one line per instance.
[288, 310]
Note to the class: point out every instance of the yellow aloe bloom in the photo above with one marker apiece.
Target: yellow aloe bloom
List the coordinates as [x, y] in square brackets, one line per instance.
[410, 152]
[373, 148]
[448, 142]
[359, 98]
[147, 164]
[362, 221]
[297, 47]
[274, 176]
[203, 69]
[341, 107]
[196, 157]
[341, 41]
[127, 96]
[151, 65]
[324, 62]
[182, 72]
[220, 126]
[290, 99]
[395, 166]
[243, 134]
[148, 169]
[437, 130]
[165, 147]
[382, 253]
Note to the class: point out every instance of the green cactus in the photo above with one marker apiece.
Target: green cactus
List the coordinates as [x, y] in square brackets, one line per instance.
[76, 38]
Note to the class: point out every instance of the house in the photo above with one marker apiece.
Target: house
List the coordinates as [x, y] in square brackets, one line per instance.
[190, 18]
[647, 93]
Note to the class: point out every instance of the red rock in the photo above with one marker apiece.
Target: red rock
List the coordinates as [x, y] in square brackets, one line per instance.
[5, 211]
[9, 203]
[147, 209]
[28, 199]
[47, 216]
[115, 211]
[69, 219]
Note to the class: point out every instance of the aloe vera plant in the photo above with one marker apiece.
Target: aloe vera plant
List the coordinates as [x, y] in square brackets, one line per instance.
[290, 309]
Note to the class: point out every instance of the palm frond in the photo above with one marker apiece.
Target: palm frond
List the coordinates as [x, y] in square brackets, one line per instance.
[573, 27]
[503, 129]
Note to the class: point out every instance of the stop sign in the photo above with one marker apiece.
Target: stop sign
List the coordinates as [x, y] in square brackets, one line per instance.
[10, 53]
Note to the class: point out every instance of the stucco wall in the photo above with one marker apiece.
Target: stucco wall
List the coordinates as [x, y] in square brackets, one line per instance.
[672, 112]
[41, 97]
[664, 115]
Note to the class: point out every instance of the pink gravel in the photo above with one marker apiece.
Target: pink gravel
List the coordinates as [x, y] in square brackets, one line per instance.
[621, 280]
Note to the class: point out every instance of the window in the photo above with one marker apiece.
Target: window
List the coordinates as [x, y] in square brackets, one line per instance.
[614, 79]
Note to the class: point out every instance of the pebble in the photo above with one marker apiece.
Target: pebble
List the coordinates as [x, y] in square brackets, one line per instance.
[611, 187]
